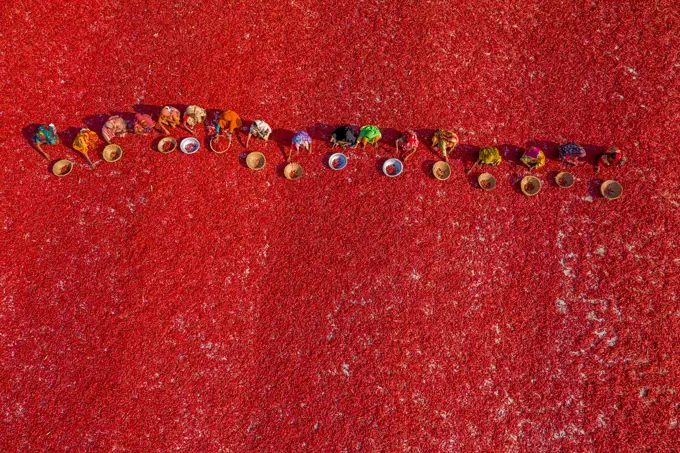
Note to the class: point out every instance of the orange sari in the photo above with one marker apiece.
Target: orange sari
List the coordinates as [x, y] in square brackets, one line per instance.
[85, 140]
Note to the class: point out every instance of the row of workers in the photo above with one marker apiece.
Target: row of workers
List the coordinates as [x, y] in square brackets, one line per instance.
[345, 137]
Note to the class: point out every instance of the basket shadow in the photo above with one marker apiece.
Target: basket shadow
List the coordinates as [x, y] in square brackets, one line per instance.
[594, 188]
[427, 167]
[280, 169]
[379, 164]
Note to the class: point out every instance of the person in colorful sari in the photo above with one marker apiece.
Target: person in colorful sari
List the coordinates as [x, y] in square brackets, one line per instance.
[170, 117]
[301, 139]
[143, 124]
[570, 153]
[344, 137]
[369, 135]
[259, 129]
[85, 141]
[612, 156]
[408, 143]
[115, 126]
[193, 116]
[45, 135]
[488, 156]
[533, 158]
[445, 141]
[227, 123]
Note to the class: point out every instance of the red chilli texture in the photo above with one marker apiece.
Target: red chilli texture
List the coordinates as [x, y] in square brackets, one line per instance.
[172, 302]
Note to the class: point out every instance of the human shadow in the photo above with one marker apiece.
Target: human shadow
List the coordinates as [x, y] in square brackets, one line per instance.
[282, 138]
[96, 122]
[147, 109]
[321, 132]
[593, 153]
[427, 167]
[511, 153]
[467, 154]
[425, 137]
[594, 187]
[390, 136]
[129, 117]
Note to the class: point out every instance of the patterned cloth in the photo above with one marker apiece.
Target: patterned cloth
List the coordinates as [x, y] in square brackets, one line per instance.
[260, 129]
[228, 120]
[115, 126]
[409, 141]
[444, 139]
[610, 157]
[169, 116]
[46, 135]
[301, 138]
[85, 141]
[143, 124]
[194, 115]
[370, 134]
[490, 156]
[571, 151]
[533, 157]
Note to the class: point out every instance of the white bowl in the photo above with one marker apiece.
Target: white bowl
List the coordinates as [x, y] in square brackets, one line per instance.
[398, 166]
[337, 161]
[190, 141]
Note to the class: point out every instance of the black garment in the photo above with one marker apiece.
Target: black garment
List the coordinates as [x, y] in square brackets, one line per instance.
[345, 134]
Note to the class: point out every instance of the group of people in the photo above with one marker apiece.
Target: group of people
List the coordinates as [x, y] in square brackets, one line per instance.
[228, 122]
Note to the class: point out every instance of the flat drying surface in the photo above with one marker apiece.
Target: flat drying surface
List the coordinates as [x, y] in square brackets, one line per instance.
[169, 302]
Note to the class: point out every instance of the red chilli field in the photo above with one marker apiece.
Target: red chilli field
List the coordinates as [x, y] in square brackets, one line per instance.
[169, 302]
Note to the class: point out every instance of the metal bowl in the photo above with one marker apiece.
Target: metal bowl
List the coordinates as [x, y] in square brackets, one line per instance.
[392, 167]
[190, 145]
[337, 161]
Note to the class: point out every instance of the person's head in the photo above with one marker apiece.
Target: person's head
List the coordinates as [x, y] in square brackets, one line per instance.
[53, 128]
[533, 152]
